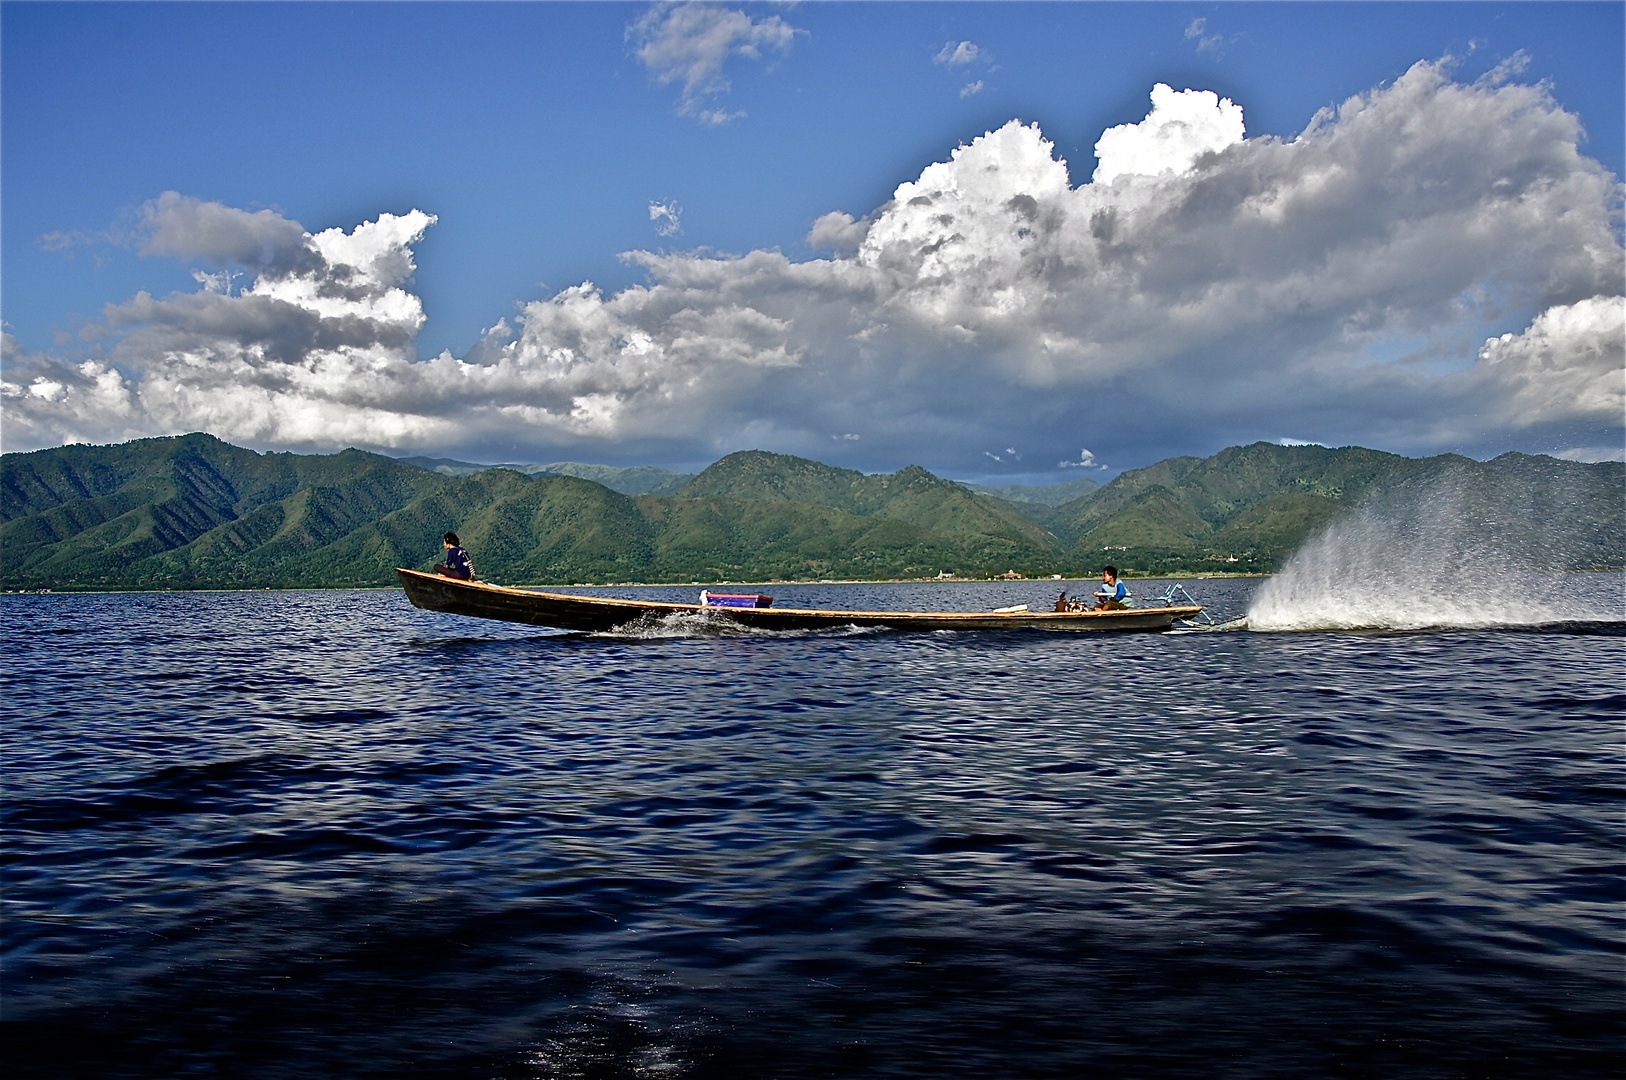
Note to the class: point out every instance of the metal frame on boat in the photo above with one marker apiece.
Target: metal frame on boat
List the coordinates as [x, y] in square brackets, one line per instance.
[567, 611]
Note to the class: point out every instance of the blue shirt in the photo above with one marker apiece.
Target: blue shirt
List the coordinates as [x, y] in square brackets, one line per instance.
[1115, 591]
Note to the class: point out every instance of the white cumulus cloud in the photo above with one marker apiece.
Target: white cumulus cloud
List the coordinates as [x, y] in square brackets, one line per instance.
[185, 227]
[837, 231]
[1569, 363]
[318, 351]
[1181, 127]
[1086, 460]
[49, 401]
[1210, 289]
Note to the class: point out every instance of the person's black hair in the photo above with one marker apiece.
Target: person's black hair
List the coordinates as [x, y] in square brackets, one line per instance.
[1113, 570]
[451, 538]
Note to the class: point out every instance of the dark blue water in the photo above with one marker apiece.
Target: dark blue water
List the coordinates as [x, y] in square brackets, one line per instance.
[327, 835]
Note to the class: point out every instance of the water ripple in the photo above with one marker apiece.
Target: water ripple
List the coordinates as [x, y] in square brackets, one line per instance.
[280, 835]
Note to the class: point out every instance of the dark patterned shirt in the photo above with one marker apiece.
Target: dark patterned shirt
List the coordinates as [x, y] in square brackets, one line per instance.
[457, 560]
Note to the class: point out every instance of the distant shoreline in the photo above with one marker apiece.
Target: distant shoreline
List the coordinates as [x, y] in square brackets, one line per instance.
[1220, 575]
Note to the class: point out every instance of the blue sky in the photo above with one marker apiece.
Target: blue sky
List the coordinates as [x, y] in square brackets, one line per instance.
[547, 140]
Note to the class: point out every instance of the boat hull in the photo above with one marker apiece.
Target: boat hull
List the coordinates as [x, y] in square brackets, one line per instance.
[564, 611]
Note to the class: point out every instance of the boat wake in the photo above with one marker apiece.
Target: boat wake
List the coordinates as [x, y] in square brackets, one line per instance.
[705, 624]
[1434, 556]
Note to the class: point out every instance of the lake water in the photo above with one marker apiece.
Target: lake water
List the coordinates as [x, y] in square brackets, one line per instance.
[324, 834]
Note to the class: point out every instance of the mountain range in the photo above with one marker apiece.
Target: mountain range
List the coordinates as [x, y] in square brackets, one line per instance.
[634, 480]
[192, 511]
[649, 480]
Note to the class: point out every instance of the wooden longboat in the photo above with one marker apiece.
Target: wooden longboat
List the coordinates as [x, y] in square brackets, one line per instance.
[566, 611]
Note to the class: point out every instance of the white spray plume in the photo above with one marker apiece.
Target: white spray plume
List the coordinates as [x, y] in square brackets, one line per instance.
[1439, 554]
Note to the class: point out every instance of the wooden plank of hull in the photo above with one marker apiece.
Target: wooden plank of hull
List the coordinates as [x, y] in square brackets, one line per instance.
[569, 612]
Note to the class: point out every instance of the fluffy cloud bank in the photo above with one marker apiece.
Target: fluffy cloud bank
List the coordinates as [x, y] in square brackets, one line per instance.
[1568, 363]
[1432, 265]
[321, 344]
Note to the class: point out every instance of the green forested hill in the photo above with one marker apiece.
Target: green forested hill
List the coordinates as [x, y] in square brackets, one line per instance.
[194, 512]
[185, 511]
[911, 494]
[1025, 495]
[1256, 504]
[629, 480]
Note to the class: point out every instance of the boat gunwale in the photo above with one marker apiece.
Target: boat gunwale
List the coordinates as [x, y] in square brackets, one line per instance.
[833, 614]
